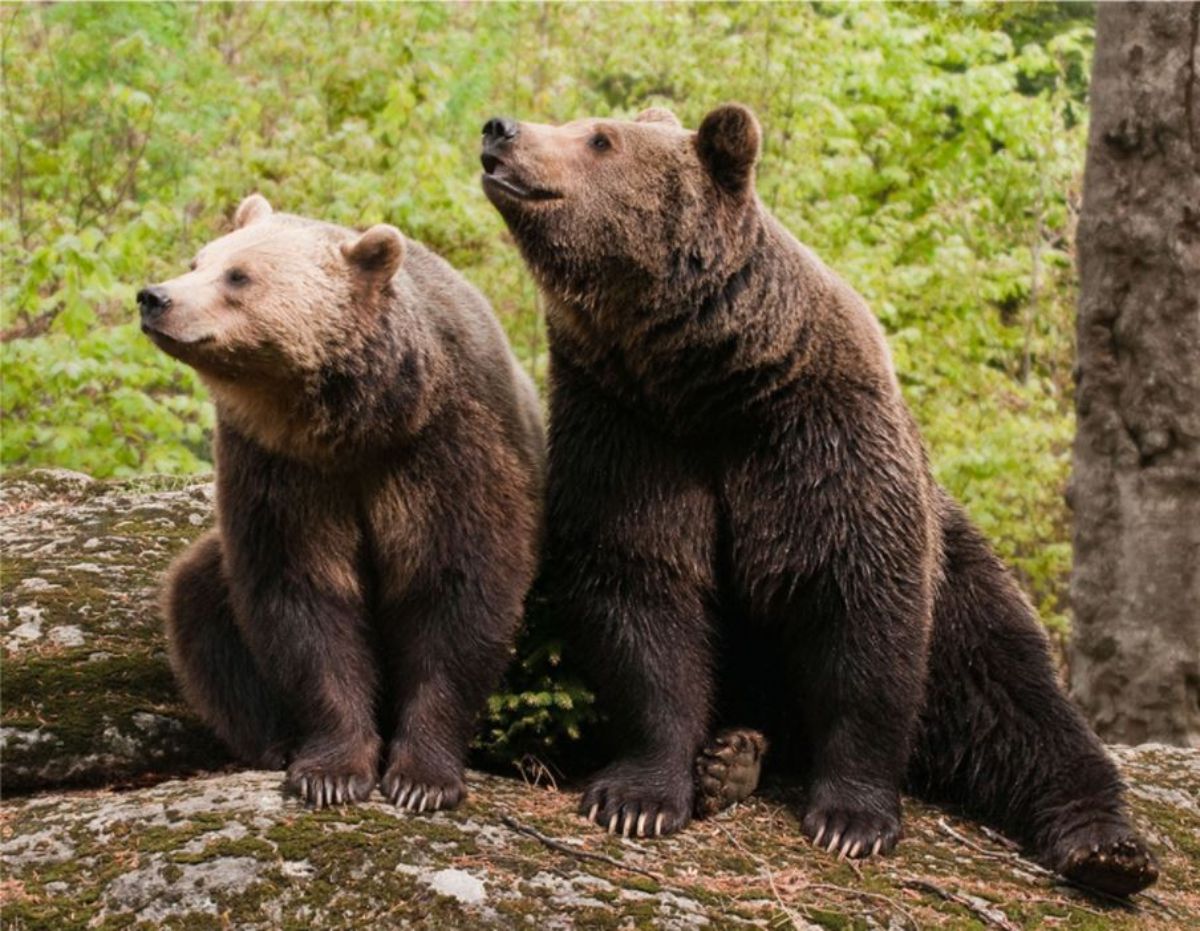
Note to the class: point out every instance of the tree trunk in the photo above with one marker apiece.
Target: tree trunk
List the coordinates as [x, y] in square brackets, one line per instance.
[1135, 656]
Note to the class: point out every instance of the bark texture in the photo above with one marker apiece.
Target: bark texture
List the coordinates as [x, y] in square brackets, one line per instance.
[1135, 658]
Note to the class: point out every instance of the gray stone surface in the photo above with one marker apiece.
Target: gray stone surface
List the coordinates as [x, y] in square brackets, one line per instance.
[88, 696]
[232, 850]
[88, 699]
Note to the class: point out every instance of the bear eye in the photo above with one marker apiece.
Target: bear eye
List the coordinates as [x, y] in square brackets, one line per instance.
[600, 142]
[236, 277]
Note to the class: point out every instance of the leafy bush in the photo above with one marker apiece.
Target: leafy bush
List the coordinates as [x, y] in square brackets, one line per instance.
[928, 155]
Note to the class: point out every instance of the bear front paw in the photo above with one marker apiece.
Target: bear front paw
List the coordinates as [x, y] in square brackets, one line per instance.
[853, 826]
[325, 786]
[727, 770]
[421, 785]
[638, 801]
[324, 775]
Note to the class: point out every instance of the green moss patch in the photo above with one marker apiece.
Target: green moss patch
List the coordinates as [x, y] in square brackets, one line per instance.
[234, 850]
[88, 697]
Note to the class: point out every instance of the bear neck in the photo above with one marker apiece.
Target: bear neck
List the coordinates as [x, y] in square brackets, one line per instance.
[720, 324]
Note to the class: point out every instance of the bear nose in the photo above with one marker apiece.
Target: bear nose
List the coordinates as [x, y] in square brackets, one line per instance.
[499, 129]
[152, 302]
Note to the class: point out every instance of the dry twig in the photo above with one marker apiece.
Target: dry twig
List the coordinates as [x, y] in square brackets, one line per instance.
[992, 917]
[766, 867]
[570, 850]
[1011, 856]
[845, 890]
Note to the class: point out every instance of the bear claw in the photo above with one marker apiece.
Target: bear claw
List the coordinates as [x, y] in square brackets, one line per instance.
[420, 780]
[1119, 866]
[637, 803]
[325, 789]
[420, 797]
[851, 834]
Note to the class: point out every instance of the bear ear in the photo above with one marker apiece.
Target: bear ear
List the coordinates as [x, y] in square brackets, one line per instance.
[658, 115]
[727, 143]
[378, 252]
[251, 210]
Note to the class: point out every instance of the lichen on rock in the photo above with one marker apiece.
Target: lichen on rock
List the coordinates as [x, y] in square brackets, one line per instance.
[88, 695]
[234, 850]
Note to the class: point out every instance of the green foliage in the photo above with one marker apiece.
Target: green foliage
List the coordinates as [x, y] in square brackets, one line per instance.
[543, 707]
[929, 153]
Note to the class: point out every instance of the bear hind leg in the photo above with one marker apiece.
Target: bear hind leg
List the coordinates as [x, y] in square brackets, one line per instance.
[728, 768]
[1000, 739]
[215, 671]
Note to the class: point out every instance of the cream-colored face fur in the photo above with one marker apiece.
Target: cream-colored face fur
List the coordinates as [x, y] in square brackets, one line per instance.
[271, 295]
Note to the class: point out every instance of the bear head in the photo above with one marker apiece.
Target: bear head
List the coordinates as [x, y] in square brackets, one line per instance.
[273, 297]
[608, 211]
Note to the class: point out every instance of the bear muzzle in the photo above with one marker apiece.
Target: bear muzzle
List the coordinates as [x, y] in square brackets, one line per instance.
[501, 179]
[153, 303]
[171, 332]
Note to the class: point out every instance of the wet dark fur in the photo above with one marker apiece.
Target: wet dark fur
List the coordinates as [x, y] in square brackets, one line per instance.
[744, 529]
[359, 597]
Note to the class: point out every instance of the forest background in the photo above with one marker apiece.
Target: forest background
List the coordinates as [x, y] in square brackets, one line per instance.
[931, 154]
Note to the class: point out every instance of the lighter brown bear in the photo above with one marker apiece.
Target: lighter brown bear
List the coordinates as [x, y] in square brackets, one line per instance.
[379, 457]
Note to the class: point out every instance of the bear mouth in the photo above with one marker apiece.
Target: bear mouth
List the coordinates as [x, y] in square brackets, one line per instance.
[171, 344]
[499, 177]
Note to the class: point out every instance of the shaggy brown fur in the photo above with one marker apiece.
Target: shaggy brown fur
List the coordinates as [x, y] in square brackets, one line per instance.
[743, 525]
[379, 456]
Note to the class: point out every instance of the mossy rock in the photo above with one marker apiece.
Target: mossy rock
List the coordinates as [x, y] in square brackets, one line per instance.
[232, 850]
[88, 697]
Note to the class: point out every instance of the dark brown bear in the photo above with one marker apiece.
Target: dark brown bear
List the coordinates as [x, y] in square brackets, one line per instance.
[379, 457]
[742, 526]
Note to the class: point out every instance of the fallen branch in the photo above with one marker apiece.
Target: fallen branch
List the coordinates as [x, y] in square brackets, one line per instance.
[1151, 897]
[989, 916]
[871, 896]
[1011, 856]
[563, 847]
[998, 838]
[1074, 905]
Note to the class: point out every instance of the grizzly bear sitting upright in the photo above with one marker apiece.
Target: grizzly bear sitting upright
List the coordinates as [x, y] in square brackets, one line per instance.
[743, 528]
[379, 457]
